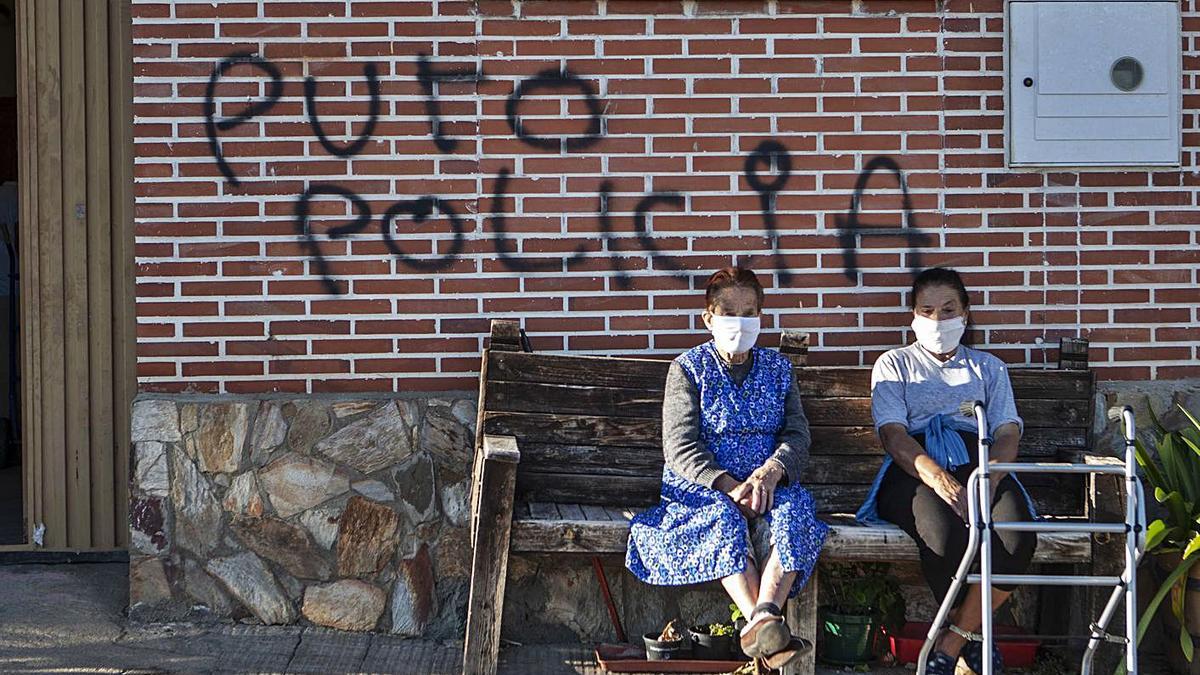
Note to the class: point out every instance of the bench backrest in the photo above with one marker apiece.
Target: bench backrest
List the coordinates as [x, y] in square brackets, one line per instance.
[590, 428]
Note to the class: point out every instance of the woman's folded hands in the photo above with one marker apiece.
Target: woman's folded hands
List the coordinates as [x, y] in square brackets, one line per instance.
[755, 495]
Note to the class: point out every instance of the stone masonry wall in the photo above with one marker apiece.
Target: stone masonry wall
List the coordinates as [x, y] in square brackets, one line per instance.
[351, 514]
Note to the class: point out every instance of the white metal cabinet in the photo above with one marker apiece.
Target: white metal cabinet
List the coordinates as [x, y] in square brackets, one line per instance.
[1066, 104]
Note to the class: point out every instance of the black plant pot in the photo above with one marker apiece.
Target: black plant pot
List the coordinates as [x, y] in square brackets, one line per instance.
[713, 647]
[661, 650]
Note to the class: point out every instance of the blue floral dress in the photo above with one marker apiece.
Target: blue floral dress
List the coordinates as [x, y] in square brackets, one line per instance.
[697, 534]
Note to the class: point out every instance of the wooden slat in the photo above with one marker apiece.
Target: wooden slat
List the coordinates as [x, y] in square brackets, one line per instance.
[579, 370]
[121, 265]
[584, 489]
[544, 511]
[577, 400]
[1074, 413]
[845, 542]
[50, 290]
[612, 460]
[99, 278]
[593, 512]
[75, 281]
[643, 403]
[576, 429]
[571, 512]
[594, 431]
[620, 513]
[816, 381]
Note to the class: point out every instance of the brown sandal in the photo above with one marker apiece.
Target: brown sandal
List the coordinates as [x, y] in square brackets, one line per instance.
[794, 650]
[766, 636]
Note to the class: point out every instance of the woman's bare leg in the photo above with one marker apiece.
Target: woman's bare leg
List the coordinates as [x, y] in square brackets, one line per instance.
[743, 588]
[969, 617]
[775, 583]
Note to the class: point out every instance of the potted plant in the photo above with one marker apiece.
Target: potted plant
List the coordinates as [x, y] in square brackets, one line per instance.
[1173, 541]
[713, 641]
[862, 599]
[668, 645]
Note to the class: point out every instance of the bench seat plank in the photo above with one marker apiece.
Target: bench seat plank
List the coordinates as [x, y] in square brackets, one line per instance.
[845, 543]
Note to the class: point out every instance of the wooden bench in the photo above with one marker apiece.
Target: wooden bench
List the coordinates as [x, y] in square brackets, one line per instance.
[569, 448]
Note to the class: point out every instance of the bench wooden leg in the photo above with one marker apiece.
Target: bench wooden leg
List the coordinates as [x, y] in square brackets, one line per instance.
[489, 557]
[802, 619]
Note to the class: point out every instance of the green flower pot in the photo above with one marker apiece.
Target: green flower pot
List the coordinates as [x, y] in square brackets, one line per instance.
[847, 639]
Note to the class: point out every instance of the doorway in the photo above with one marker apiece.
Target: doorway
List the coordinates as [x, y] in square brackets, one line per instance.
[12, 509]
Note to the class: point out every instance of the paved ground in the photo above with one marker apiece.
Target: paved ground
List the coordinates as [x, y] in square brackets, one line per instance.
[70, 619]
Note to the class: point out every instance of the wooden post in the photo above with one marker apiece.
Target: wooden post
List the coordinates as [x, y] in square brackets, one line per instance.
[1072, 354]
[489, 557]
[802, 620]
[794, 345]
[506, 336]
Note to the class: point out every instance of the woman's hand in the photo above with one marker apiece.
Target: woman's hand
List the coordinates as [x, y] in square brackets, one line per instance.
[737, 492]
[757, 493]
[949, 489]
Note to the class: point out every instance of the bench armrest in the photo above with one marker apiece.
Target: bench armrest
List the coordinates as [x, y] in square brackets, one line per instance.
[494, 450]
[500, 448]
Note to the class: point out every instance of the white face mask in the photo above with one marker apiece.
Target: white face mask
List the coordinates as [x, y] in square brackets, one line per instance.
[939, 337]
[734, 334]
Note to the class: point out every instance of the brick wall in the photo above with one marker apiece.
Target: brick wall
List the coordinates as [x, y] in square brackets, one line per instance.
[337, 196]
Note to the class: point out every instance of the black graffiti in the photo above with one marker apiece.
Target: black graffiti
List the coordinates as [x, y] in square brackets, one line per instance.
[433, 109]
[643, 234]
[555, 79]
[212, 125]
[420, 210]
[305, 231]
[310, 104]
[850, 230]
[766, 170]
[504, 250]
[770, 153]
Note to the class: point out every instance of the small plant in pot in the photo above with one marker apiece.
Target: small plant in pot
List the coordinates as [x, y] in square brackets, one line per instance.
[1172, 471]
[668, 645]
[862, 599]
[712, 641]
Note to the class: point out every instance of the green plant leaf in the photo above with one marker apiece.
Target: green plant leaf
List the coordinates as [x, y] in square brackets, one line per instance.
[1152, 608]
[1151, 467]
[1156, 533]
[1191, 444]
[1185, 642]
[1192, 418]
[1192, 547]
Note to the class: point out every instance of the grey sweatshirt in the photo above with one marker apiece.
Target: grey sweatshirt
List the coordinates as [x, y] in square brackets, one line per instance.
[686, 454]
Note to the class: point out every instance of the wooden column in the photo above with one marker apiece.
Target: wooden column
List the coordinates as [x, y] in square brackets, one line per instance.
[75, 245]
[492, 527]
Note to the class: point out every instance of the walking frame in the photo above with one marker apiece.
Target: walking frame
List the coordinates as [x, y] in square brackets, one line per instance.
[979, 492]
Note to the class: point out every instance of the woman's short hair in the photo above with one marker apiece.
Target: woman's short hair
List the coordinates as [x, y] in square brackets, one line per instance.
[938, 276]
[732, 277]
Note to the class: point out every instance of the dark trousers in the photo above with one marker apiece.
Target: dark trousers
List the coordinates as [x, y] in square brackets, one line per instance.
[941, 535]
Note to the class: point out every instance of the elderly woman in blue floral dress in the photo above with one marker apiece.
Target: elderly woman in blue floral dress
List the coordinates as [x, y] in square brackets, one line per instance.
[735, 443]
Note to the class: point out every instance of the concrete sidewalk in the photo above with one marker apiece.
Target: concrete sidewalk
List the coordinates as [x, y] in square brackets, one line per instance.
[71, 618]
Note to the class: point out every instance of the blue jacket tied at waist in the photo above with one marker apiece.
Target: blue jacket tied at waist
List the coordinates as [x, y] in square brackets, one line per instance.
[945, 446]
